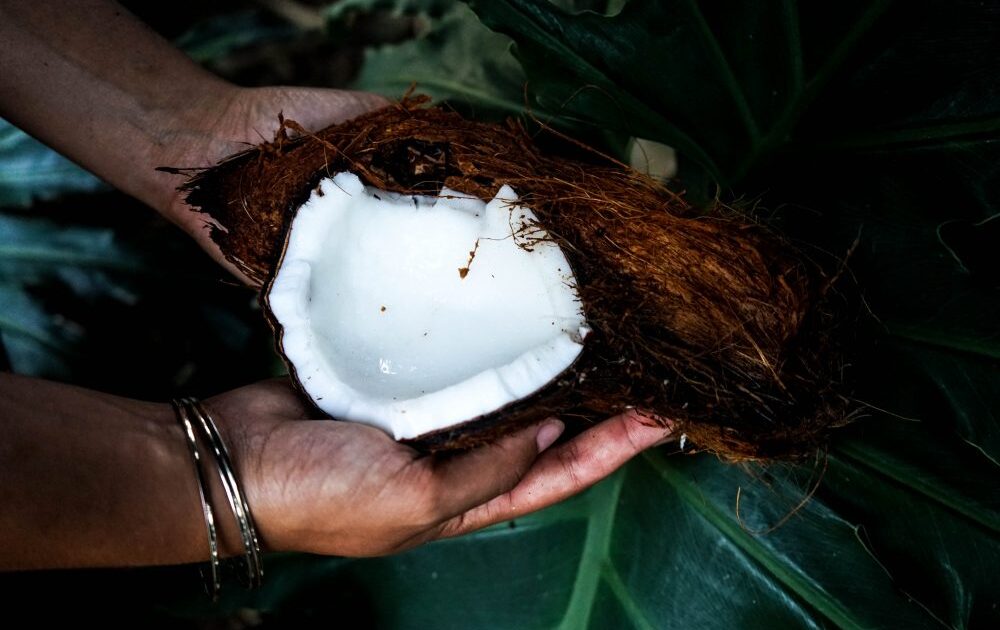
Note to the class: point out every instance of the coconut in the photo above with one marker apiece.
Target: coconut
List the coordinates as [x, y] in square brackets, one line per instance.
[413, 313]
[448, 281]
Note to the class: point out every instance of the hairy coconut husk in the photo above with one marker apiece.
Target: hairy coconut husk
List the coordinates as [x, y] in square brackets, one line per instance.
[702, 318]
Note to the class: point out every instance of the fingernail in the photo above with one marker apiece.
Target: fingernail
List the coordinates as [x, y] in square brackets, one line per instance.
[548, 434]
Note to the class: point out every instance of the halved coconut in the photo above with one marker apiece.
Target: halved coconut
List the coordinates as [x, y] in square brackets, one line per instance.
[445, 290]
[414, 313]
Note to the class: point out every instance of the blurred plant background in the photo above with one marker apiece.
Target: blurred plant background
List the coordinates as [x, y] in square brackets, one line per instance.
[871, 126]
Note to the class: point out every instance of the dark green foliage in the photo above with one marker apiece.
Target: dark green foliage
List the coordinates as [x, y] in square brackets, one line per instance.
[871, 121]
[29, 171]
[876, 121]
[453, 58]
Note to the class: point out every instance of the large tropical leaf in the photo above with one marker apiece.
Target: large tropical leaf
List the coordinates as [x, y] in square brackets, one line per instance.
[867, 120]
[876, 119]
[30, 171]
[723, 82]
[131, 309]
[34, 254]
[453, 57]
[890, 540]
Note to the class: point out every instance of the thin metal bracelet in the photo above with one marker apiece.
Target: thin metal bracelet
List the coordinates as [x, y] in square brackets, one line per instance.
[213, 583]
[234, 493]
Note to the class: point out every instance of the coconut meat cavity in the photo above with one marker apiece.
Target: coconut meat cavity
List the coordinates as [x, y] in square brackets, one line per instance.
[417, 313]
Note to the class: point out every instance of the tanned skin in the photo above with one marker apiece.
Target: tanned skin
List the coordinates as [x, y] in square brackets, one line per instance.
[92, 480]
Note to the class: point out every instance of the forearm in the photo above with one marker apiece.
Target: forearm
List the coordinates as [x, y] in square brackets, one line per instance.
[89, 479]
[90, 80]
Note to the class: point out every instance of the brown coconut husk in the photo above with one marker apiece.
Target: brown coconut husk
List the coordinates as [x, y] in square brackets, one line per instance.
[703, 318]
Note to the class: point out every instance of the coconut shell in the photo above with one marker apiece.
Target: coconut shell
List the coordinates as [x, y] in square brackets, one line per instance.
[702, 317]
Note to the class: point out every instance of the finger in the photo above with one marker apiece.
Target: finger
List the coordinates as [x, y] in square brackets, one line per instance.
[567, 469]
[358, 103]
[472, 478]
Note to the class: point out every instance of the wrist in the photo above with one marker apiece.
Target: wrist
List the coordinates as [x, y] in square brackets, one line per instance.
[246, 443]
[92, 480]
[173, 458]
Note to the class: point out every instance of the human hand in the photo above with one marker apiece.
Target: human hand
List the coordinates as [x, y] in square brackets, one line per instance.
[137, 102]
[348, 489]
[233, 119]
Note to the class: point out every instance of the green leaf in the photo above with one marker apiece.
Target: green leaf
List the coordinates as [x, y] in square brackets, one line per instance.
[33, 343]
[454, 59]
[878, 119]
[31, 171]
[575, 63]
[661, 545]
[214, 38]
[943, 561]
[725, 82]
[133, 309]
[903, 531]
[34, 254]
[855, 118]
[345, 11]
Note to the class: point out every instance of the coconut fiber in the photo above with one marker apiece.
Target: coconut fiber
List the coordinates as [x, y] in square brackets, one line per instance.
[702, 318]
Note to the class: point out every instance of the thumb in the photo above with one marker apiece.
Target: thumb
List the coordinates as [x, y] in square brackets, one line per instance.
[475, 477]
[315, 108]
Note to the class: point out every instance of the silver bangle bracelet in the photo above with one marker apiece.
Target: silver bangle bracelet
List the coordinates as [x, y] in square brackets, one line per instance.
[213, 582]
[234, 493]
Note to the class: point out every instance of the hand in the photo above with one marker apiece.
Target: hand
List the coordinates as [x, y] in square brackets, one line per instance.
[233, 119]
[348, 489]
[137, 102]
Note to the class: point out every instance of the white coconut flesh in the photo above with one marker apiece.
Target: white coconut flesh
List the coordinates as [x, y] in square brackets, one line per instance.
[417, 313]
